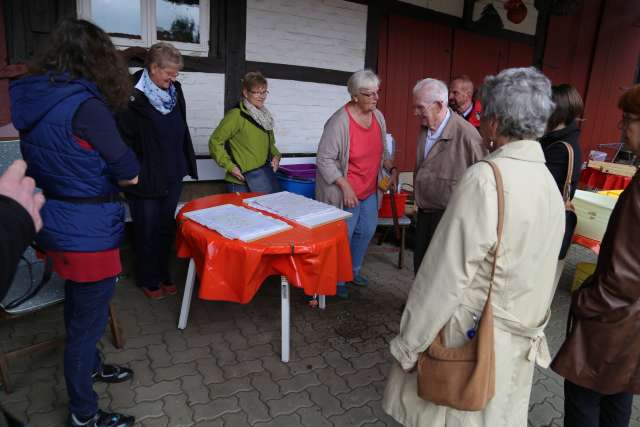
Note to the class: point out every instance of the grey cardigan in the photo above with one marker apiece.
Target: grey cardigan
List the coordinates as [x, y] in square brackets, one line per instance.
[333, 156]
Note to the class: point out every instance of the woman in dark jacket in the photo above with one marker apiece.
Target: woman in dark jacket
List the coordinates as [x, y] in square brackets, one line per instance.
[155, 126]
[563, 126]
[69, 139]
[600, 359]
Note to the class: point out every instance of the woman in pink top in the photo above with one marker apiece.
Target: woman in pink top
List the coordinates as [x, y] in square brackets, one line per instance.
[350, 160]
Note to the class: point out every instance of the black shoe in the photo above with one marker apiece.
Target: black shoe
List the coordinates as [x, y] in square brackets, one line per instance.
[112, 374]
[103, 419]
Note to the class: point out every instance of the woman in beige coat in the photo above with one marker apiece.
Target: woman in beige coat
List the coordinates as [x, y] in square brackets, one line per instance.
[452, 283]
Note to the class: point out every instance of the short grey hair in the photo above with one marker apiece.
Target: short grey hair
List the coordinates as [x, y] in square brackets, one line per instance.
[520, 99]
[437, 90]
[363, 79]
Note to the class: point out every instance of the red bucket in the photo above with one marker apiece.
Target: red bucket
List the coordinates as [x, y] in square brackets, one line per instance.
[401, 201]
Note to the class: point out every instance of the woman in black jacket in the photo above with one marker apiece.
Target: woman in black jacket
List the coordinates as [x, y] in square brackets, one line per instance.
[563, 126]
[155, 126]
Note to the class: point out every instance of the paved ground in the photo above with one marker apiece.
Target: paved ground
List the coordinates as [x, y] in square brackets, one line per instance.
[225, 370]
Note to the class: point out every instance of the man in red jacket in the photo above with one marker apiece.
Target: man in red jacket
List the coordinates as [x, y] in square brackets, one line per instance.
[461, 100]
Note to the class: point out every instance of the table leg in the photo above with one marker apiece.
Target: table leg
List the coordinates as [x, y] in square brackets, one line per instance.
[188, 292]
[285, 327]
[401, 254]
[322, 302]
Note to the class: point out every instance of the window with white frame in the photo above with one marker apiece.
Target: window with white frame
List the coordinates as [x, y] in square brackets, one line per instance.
[184, 23]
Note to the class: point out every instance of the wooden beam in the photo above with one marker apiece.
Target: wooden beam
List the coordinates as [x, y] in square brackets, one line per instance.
[542, 29]
[375, 13]
[299, 73]
[235, 53]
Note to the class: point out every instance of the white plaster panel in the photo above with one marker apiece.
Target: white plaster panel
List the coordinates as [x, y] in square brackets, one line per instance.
[300, 110]
[327, 34]
[204, 96]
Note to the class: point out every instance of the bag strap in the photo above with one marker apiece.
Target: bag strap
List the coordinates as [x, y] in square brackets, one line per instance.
[566, 192]
[500, 191]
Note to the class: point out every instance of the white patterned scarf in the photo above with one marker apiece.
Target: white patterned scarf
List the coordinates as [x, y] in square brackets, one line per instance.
[162, 100]
[260, 115]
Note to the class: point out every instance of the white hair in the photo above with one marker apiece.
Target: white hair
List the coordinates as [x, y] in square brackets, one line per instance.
[520, 99]
[363, 79]
[436, 90]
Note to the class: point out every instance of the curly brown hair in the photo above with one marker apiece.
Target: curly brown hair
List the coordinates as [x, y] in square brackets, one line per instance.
[84, 50]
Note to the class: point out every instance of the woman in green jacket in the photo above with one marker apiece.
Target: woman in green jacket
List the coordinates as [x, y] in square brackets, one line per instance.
[243, 143]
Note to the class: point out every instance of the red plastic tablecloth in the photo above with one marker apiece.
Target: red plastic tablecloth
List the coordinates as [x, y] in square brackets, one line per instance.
[233, 270]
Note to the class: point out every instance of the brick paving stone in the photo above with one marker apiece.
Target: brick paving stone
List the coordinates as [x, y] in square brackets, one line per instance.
[369, 360]
[144, 340]
[222, 353]
[370, 345]
[263, 338]
[292, 420]
[142, 373]
[376, 407]
[17, 409]
[125, 356]
[236, 419]
[156, 327]
[313, 417]
[313, 349]
[211, 372]
[267, 388]
[289, 404]
[354, 417]
[57, 417]
[543, 414]
[229, 388]
[146, 410]
[246, 326]
[364, 377]
[331, 379]
[298, 383]
[327, 403]
[276, 368]
[159, 355]
[33, 376]
[191, 354]
[210, 423]
[194, 388]
[175, 341]
[123, 394]
[197, 341]
[255, 352]
[310, 364]
[359, 397]
[42, 397]
[179, 413]
[346, 349]
[242, 369]
[175, 371]
[255, 408]
[236, 340]
[158, 391]
[156, 422]
[215, 409]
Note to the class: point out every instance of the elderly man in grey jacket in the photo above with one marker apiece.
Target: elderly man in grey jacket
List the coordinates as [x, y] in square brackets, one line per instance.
[447, 145]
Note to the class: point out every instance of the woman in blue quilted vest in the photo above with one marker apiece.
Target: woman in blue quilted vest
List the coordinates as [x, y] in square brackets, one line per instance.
[68, 137]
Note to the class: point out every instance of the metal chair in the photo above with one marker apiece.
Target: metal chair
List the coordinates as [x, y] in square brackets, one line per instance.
[51, 294]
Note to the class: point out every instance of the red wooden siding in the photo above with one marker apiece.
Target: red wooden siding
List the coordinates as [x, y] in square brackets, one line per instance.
[615, 63]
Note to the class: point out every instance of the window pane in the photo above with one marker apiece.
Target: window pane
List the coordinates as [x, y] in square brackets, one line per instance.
[119, 18]
[178, 20]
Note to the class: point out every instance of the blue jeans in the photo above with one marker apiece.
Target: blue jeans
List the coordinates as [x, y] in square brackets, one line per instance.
[154, 228]
[236, 188]
[362, 226]
[86, 311]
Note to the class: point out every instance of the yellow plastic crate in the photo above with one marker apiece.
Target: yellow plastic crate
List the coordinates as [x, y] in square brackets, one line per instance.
[583, 271]
[611, 193]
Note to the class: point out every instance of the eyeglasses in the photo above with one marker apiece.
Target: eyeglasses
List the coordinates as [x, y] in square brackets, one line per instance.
[259, 92]
[626, 120]
[370, 94]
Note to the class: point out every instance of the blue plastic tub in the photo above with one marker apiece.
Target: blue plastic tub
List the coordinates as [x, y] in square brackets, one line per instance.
[305, 188]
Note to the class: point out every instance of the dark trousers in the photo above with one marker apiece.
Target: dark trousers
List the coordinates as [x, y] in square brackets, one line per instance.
[584, 407]
[86, 311]
[154, 228]
[425, 229]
